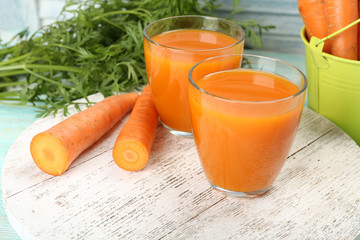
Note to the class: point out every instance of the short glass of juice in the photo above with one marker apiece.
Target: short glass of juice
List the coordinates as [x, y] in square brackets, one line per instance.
[245, 111]
[171, 47]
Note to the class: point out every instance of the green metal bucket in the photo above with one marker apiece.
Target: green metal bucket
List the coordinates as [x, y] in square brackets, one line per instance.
[333, 87]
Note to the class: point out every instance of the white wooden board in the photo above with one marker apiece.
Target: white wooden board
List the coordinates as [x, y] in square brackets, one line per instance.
[317, 195]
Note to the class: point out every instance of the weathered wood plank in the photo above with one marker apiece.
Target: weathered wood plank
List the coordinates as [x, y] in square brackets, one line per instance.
[284, 15]
[16, 16]
[13, 120]
[319, 200]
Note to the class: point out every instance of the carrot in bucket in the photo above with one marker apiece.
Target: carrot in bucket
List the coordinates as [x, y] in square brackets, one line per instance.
[313, 16]
[359, 32]
[346, 28]
[339, 14]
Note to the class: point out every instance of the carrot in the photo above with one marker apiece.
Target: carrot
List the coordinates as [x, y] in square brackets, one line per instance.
[132, 147]
[359, 31]
[56, 148]
[340, 13]
[312, 13]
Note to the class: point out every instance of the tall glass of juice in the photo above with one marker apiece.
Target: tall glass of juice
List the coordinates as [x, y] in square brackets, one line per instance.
[245, 111]
[171, 47]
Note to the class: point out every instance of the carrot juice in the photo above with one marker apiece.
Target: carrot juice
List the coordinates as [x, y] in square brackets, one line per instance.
[244, 123]
[169, 56]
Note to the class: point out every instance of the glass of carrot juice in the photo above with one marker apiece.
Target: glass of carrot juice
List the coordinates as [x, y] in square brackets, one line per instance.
[245, 111]
[171, 47]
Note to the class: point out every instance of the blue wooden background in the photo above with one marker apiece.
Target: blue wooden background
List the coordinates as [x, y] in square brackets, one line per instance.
[283, 14]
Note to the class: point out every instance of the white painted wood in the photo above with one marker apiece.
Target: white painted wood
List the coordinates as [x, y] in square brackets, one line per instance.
[317, 194]
[50, 9]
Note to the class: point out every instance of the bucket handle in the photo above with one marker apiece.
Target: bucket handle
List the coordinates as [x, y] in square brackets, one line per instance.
[338, 31]
[317, 45]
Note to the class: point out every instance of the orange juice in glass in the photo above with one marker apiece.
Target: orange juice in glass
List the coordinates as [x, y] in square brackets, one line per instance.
[171, 47]
[244, 119]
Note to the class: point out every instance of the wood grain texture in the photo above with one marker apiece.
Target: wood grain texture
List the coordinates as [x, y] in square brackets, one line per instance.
[283, 14]
[317, 195]
[16, 16]
[13, 121]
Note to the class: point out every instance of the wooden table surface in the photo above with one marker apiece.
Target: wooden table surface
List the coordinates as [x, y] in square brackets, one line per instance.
[316, 196]
[317, 193]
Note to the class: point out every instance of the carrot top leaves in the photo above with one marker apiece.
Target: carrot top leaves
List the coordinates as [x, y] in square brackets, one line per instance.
[94, 46]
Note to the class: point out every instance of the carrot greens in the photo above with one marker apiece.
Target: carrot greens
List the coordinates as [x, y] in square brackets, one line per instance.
[94, 46]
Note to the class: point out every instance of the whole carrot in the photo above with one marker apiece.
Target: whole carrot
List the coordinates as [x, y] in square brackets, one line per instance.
[56, 148]
[312, 13]
[340, 13]
[133, 145]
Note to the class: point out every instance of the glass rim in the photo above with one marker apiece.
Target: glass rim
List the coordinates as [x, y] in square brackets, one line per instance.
[298, 93]
[194, 16]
